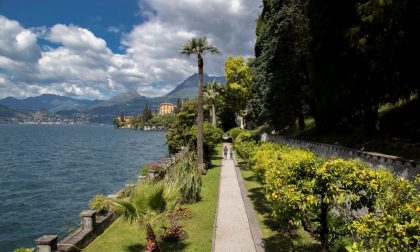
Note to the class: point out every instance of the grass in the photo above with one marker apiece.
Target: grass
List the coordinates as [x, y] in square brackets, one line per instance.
[123, 236]
[399, 132]
[275, 240]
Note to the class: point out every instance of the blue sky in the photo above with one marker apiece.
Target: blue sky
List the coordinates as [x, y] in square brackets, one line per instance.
[107, 19]
[95, 49]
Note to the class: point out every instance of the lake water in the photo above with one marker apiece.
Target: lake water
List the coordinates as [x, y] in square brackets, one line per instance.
[48, 173]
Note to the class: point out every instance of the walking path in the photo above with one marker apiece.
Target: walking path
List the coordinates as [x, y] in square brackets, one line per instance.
[236, 226]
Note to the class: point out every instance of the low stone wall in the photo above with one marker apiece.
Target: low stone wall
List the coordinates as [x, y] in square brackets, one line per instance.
[402, 167]
[91, 226]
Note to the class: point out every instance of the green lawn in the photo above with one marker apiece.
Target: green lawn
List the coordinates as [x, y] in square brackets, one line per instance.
[123, 236]
[275, 240]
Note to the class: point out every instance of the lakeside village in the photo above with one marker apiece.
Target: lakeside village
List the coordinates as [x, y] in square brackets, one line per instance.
[148, 120]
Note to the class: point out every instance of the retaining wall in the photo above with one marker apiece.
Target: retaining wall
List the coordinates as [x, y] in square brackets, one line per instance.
[402, 167]
[91, 227]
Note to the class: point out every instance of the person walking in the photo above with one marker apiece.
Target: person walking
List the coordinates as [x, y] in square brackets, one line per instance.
[231, 153]
[225, 150]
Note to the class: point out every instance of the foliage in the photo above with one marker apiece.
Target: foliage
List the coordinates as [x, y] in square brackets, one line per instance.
[122, 236]
[334, 61]
[24, 250]
[99, 203]
[126, 192]
[326, 197]
[266, 156]
[183, 132]
[186, 176]
[211, 97]
[147, 114]
[245, 144]
[397, 226]
[281, 51]
[149, 203]
[234, 132]
[239, 77]
[212, 136]
[199, 47]
[289, 180]
[161, 120]
[179, 134]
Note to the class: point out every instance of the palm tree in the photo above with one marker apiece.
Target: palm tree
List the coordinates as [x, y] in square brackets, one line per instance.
[211, 93]
[149, 202]
[199, 47]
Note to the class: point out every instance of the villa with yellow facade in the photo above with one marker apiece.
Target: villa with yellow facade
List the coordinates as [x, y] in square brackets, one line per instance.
[166, 108]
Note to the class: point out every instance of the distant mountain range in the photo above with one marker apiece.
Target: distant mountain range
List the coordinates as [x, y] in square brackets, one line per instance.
[97, 111]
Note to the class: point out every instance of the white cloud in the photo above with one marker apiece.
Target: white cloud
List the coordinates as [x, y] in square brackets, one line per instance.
[17, 43]
[81, 64]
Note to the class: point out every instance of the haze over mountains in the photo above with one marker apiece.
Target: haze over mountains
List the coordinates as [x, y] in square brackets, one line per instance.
[97, 111]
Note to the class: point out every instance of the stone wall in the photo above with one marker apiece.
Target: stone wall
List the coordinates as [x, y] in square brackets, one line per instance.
[91, 226]
[401, 166]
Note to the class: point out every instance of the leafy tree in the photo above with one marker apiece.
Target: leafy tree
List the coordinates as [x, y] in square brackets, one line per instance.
[178, 135]
[385, 36]
[281, 73]
[199, 47]
[237, 89]
[211, 94]
[212, 136]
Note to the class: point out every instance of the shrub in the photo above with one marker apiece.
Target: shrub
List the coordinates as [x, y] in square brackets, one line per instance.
[126, 192]
[265, 156]
[24, 250]
[100, 204]
[326, 198]
[245, 144]
[234, 132]
[396, 227]
[289, 181]
[186, 176]
[211, 136]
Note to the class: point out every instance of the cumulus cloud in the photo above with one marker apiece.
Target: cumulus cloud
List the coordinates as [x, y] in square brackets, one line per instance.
[81, 64]
[16, 43]
[229, 25]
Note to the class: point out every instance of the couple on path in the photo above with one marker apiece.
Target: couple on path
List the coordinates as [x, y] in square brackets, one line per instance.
[225, 152]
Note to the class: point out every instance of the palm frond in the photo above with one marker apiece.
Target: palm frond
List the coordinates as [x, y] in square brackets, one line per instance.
[198, 46]
[126, 209]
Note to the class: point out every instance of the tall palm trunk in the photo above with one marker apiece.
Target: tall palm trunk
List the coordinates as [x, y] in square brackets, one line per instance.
[213, 115]
[200, 159]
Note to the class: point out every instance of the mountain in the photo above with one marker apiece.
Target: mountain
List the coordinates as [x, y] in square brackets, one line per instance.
[9, 115]
[189, 87]
[127, 103]
[55, 107]
[48, 102]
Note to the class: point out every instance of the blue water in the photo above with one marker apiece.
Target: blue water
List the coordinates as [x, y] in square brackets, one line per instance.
[48, 173]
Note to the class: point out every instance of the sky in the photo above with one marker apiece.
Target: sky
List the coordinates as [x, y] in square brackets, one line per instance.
[95, 49]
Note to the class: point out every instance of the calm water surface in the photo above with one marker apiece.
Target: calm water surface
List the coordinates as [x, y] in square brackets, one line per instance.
[48, 173]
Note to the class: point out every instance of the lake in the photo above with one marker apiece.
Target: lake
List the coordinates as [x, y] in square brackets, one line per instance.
[48, 174]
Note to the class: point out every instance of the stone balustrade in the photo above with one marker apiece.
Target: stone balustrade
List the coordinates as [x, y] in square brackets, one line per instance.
[91, 225]
[402, 167]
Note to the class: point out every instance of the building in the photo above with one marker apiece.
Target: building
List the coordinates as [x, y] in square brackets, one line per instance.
[166, 108]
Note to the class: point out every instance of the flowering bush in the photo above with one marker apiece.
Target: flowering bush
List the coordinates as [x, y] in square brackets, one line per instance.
[326, 198]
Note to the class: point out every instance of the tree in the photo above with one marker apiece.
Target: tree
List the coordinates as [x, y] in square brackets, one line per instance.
[281, 74]
[147, 113]
[211, 94]
[237, 89]
[199, 47]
